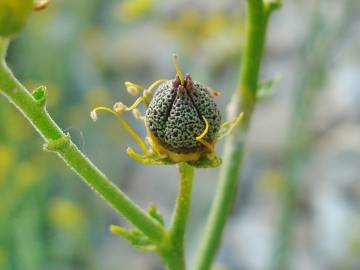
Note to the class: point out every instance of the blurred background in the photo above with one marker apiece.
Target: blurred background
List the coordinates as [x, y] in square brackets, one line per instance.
[301, 173]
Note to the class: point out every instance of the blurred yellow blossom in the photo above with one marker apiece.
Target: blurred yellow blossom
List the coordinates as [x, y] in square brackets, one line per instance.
[66, 215]
[27, 174]
[219, 267]
[7, 157]
[18, 130]
[195, 26]
[215, 23]
[2, 258]
[74, 119]
[131, 10]
[272, 180]
[97, 96]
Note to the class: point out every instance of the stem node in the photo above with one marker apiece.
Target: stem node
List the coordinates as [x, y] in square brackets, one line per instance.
[59, 144]
[40, 94]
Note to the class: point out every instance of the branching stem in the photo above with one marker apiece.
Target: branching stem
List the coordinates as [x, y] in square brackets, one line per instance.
[61, 143]
[244, 100]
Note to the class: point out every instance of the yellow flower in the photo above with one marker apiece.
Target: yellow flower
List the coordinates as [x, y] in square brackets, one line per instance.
[27, 174]
[66, 215]
[7, 157]
[130, 10]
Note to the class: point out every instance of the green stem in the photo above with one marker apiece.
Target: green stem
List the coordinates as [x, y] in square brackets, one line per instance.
[59, 142]
[244, 100]
[174, 256]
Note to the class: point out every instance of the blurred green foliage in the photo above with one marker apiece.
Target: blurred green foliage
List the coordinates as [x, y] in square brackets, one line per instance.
[42, 224]
[13, 15]
[83, 51]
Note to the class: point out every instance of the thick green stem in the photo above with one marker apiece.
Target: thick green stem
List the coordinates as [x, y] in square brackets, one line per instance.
[174, 256]
[244, 100]
[59, 142]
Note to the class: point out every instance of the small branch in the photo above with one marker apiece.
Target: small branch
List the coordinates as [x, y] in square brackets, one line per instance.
[174, 256]
[35, 112]
[244, 100]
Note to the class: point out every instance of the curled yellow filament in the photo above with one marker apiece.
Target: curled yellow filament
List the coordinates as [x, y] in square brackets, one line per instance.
[206, 130]
[136, 137]
[203, 134]
[154, 84]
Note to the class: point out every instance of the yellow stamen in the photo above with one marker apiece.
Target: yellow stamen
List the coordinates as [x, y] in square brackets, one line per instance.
[178, 71]
[138, 86]
[131, 153]
[147, 95]
[207, 145]
[135, 104]
[119, 107]
[132, 90]
[154, 84]
[136, 137]
[203, 134]
[137, 114]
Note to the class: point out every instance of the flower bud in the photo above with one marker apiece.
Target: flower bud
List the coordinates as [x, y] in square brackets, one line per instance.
[176, 117]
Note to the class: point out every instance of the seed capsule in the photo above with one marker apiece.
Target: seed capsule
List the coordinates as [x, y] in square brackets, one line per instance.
[182, 122]
[177, 115]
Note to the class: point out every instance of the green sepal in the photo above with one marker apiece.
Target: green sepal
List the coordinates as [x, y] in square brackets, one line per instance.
[154, 159]
[150, 159]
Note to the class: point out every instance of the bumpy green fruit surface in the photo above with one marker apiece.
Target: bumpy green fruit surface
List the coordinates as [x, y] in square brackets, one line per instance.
[176, 115]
